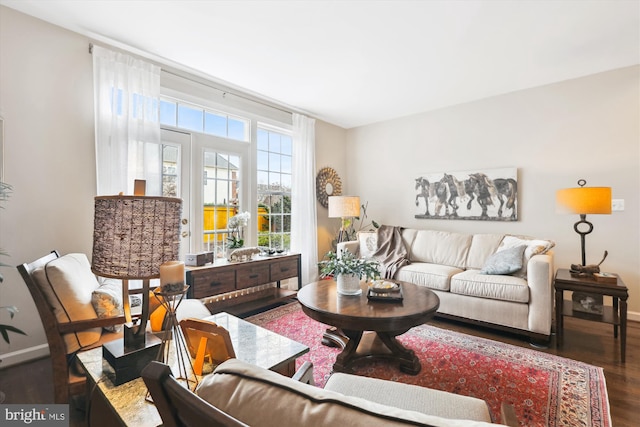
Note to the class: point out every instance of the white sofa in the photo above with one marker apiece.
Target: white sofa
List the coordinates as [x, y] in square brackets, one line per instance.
[451, 264]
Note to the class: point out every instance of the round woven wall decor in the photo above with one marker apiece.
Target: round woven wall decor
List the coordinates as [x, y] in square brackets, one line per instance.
[327, 184]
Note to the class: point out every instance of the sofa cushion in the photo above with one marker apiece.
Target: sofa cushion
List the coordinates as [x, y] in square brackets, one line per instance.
[433, 276]
[504, 262]
[67, 283]
[482, 247]
[497, 287]
[410, 397]
[441, 247]
[534, 247]
[257, 396]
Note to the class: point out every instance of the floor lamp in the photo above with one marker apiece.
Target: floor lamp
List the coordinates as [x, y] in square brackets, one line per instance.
[132, 237]
[345, 208]
[582, 201]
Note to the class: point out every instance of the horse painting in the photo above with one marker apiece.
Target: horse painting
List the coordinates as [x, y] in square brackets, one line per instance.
[486, 195]
[436, 191]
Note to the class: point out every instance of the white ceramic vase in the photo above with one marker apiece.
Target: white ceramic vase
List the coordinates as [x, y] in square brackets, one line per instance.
[348, 284]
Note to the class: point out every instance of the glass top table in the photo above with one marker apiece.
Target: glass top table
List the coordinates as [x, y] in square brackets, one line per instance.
[251, 344]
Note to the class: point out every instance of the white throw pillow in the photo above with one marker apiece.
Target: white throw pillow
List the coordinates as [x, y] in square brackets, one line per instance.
[533, 247]
[506, 261]
[107, 301]
[368, 241]
[67, 283]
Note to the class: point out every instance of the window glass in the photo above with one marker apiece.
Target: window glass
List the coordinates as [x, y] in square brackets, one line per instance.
[190, 118]
[168, 111]
[215, 124]
[274, 189]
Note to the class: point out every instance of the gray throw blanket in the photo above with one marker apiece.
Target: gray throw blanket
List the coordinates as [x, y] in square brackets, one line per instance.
[391, 252]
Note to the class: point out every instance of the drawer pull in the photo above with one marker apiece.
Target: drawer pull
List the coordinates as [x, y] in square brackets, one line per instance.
[284, 269]
[215, 284]
[253, 276]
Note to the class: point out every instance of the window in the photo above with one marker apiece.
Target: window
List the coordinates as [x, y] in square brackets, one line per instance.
[274, 149]
[198, 119]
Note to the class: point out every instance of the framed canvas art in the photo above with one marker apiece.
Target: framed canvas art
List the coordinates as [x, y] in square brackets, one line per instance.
[489, 194]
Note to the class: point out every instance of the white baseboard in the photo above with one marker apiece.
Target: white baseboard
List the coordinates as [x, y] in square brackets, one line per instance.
[24, 355]
[633, 315]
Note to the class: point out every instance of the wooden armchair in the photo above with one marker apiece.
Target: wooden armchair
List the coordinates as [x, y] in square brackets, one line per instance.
[66, 380]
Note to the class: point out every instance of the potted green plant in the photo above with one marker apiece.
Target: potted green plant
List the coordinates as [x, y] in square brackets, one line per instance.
[347, 269]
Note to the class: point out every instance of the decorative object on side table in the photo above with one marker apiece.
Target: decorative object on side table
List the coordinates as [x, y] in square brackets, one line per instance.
[582, 201]
[133, 236]
[170, 298]
[208, 341]
[242, 254]
[236, 226]
[348, 270]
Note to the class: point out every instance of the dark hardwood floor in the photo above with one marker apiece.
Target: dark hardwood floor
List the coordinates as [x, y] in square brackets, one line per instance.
[589, 342]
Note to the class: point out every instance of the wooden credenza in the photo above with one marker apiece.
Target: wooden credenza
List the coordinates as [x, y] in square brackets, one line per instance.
[238, 287]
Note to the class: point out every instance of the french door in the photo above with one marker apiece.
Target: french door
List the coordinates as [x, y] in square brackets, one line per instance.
[211, 175]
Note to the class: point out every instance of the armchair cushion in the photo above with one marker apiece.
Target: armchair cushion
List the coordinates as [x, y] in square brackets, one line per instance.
[67, 283]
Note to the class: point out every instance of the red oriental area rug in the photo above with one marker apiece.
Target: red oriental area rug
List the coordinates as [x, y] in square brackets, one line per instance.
[546, 390]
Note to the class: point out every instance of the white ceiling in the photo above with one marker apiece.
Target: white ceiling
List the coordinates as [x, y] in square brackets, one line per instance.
[352, 63]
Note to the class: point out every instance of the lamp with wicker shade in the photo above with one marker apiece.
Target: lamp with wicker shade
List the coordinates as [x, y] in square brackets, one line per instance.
[132, 237]
[582, 201]
[344, 207]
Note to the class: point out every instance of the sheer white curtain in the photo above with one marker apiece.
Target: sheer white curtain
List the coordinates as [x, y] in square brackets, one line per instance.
[304, 222]
[127, 94]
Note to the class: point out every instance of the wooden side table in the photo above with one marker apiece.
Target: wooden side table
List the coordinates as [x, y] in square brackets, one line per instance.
[615, 315]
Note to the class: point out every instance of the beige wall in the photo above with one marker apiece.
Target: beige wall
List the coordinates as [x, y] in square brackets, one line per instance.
[46, 99]
[583, 128]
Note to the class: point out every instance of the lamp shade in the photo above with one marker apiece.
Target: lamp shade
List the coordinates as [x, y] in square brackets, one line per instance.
[344, 206]
[584, 200]
[134, 235]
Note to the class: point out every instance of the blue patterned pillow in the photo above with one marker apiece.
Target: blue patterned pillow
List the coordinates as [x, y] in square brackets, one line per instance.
[504, 262]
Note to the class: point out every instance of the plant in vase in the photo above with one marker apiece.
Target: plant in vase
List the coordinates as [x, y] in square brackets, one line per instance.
[236, 226]
[347, 269]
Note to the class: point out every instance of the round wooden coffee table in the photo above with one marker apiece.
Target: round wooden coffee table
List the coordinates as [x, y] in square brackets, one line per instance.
[353, 315]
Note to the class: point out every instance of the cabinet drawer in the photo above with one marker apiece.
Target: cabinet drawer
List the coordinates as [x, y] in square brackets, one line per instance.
[252, 276]
[208, 283]
[284, 269]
